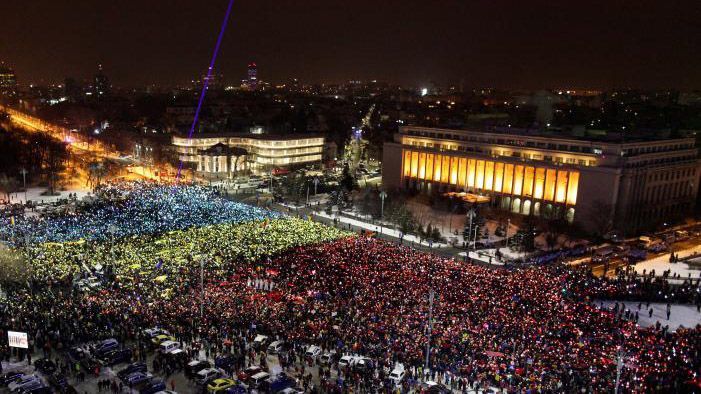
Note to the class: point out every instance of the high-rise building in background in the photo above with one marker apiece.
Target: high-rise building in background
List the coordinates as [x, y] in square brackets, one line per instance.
[251, 81]
[214, 81]
[253, 76]
[8, 81]
[72, 90]
[101, 85]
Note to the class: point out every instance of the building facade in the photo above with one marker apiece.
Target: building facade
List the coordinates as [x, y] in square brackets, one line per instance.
[628, 186]
[8, 82]
[257, 153]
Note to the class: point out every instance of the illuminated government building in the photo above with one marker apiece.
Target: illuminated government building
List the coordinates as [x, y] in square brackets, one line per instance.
[225, 154]
[637, 184]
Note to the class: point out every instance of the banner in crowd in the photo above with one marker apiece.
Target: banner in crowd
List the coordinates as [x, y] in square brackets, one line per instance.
[18, 339]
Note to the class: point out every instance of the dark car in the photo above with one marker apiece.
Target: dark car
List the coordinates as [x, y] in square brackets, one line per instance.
[238, 389]
[280, 383]
[57, 380]
[105, 347]
[10, 377]
[137, 378]
[46, 366]
[75, 355]
[38, 390]
[90, 364]
[225, 362]
[130, 369]
[195, 366]
[118, 356]
[153, 386]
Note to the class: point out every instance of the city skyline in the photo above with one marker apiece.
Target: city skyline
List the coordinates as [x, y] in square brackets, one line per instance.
[527, 46]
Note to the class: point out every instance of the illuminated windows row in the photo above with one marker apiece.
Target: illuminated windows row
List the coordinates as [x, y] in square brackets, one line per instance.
[541, 183]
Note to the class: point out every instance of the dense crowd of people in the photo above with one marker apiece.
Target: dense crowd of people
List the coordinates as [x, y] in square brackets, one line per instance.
[129, 209]
[532, 328]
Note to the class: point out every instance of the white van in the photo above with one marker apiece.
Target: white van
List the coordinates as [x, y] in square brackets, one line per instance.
[260, 341]
[397, 374]
[168, 346]
[312, 352]
[346, 361]
[256, 380]
[275, 347]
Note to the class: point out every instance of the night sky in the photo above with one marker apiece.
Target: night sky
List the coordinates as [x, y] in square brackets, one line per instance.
[499, 43]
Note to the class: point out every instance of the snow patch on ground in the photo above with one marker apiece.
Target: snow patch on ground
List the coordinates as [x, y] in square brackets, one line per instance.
[661, 264]
[681, 315]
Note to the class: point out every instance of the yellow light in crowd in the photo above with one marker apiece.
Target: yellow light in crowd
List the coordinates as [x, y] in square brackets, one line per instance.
[437, 169]
[414, 164]
[422, 165]
[488, 175]
[518, 180]
[572, 187]
[550, 184]
[471, 172]
[539, 183]
[429, 166]
[561, 190]
[528, 182]
[462, 172]
[498, 176]
[453, 170]
[508, 178]
[480, 174]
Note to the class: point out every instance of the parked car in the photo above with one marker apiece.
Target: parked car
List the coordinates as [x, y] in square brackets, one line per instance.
[153, 386]
[220, 384]
[58, 380]
[151, 333]
[345, 361]
[397, 374]
[137, 378]
[45, 366]
[259, 342]
[281, 382]
[328, 357]
[42, 389]
[195, 366]
[312, 352]
[250, 371]
[275, 347]
[76, 354]
[118, 356]
[225, 362]
[10, 377]
[206, 375]
[160, 338]
[130, 369]
[26, 381]
[168, 346]
[105, 346]
[256, 380]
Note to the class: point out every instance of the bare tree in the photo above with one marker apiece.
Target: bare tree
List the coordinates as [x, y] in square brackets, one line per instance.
[14, 267]
[8, 185]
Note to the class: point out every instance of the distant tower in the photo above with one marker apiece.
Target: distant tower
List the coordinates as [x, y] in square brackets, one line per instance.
[253, 76]
[8, 81]
[102, 85]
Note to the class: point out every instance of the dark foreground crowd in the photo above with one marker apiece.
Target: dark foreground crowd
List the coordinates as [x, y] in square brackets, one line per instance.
[525, 330]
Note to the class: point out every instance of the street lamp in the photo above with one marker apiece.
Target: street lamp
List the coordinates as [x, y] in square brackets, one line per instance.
[383, 195]
[430, 328]
[24, 173]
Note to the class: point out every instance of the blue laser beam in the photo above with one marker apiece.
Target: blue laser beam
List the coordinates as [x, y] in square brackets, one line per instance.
[206, 81]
